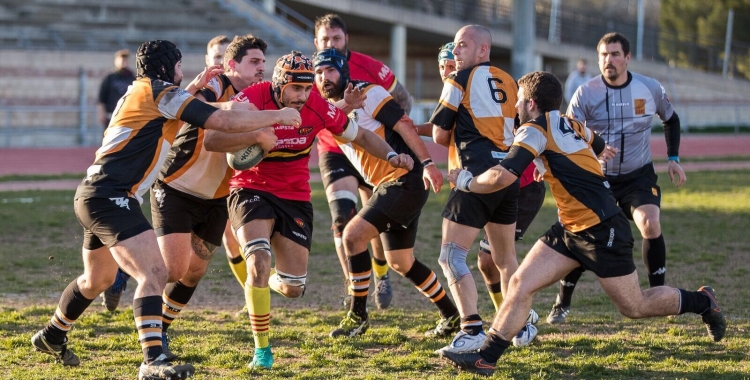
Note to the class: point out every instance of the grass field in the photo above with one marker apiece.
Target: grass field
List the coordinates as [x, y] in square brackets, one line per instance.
[705, 224]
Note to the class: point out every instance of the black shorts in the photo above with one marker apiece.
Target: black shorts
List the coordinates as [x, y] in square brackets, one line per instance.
[605, 249]
[108, 221]
[335, 166]
[530, 200]
[636, 189]
[173, 211]
[476, 210]
[394, 210]
[292, 219]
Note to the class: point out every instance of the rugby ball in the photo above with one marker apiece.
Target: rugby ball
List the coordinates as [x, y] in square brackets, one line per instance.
[246, 158]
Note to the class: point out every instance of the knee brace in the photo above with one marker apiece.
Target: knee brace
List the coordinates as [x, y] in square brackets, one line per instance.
[453, 261]
[287, 279]
[256, 245]
[343, 205]
[484, 246]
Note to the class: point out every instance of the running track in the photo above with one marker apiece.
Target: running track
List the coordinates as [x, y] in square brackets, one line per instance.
[45, 161]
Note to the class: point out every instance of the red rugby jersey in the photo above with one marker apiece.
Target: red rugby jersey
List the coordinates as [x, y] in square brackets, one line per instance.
[284, 171]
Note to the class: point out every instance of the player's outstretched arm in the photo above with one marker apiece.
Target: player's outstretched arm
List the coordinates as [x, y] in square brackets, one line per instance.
[494, 179]
[223, 142]
[380, 149]
[242, 120]
[431, 175]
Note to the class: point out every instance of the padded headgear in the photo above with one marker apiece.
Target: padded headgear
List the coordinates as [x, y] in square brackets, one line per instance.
[157, 60]
[336, 59]
[291, 68]
[446, 52]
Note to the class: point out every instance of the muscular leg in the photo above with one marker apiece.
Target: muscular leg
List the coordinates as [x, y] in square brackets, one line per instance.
[343, 188]
[291, 261]
[503, 247]
[378, 254]
[632, 302]
[457, 239]
[490, 273]
[257, 292]
[541, 268]
[646, 218]
[234, 255]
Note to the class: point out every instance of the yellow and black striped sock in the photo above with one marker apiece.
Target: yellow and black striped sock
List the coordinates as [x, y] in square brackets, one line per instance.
[176, 295]
[360, 270]
[427, 282]
[380, 267]
[259, 307]
[147, 314]
[496, 293]
[237, 265]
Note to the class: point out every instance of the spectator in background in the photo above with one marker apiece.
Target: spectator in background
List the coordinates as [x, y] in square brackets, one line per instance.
[215, 50]
[576, 78]
[113, 87]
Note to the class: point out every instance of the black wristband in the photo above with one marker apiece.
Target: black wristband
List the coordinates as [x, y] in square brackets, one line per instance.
[427, 163]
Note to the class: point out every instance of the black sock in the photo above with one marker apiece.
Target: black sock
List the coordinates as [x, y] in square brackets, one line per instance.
[175, 298]
[494, 288]
[655, 258]
[568, 285]
[360, 269]
[493, 347]
[693, 302]
[471, 324]
[427, 282]
[72, 304]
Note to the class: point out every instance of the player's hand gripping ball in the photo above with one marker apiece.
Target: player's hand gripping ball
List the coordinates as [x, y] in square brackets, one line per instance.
[246, 158]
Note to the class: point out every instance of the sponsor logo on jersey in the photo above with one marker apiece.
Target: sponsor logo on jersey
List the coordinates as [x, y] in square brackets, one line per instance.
[121, 202]
[299, 235]
[280, 127]
[331, 111]
[299, 222]
[305, 130]
[241, 97]
[640, 106]
[620, 104]
[384, 72]
[292, 141]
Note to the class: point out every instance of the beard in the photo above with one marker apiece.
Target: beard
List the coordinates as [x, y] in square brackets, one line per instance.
[332, 92]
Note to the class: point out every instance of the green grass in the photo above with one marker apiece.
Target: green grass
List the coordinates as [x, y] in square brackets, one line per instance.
[704, 222]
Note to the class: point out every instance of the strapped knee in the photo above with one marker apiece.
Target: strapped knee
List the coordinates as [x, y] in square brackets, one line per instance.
[453, 261]
[289, 280]
[255, 245]
[343, 205]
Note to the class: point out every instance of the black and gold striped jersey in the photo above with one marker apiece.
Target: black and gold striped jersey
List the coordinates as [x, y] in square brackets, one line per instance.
[478, 106]
[563, 146]
[139, 137]
[191, 168]
[379, 115]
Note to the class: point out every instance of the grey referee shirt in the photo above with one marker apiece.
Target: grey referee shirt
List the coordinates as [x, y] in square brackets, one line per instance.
[622, 116]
